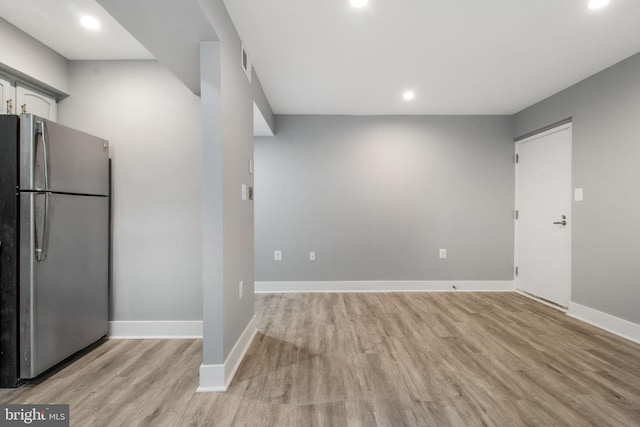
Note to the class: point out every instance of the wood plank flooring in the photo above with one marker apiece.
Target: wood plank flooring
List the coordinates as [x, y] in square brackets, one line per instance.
[404, 359]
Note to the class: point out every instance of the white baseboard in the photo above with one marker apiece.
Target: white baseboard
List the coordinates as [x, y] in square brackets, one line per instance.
[162, 329]
[387, 286]
[218, 377]
[613, 324]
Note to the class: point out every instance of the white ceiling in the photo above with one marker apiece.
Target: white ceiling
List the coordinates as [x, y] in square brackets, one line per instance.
[459, 56]
[324, 57]
[56, 23]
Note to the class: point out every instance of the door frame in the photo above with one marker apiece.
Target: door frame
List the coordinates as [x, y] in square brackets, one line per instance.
[546, 131]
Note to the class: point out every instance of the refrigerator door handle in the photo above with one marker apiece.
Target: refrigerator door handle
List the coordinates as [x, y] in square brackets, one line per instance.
[41, 248]
[41, 243]
[40, 129]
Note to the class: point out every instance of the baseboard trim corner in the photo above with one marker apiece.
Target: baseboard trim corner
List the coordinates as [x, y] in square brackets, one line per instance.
[607, 322]
[155, 329]
[386, 286]
[216, 378]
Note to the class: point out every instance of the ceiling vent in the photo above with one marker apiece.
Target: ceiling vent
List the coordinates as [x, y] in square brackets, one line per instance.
[246, 62]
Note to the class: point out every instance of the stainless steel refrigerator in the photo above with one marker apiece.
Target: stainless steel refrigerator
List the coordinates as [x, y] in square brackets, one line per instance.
[54, 244]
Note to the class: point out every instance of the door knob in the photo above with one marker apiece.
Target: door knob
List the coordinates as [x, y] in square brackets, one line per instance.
[563, 222]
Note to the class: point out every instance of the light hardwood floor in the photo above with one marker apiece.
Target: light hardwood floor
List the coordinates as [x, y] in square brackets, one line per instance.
[415, 359]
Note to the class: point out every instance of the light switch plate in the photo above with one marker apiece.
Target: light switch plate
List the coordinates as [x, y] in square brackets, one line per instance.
[578, 195]
[245, 192]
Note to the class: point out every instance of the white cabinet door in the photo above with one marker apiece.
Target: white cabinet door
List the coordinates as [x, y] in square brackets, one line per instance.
[37, 103]
[7, 92]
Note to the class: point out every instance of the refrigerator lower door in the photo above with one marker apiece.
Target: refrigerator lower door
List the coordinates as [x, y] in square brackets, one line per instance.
[64, 277]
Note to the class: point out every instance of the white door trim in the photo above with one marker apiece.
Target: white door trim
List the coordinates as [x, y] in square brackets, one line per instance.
[542, 134]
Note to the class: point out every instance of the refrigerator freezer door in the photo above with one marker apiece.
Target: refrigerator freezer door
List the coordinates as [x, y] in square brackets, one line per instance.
[60, 159]
[64, 297]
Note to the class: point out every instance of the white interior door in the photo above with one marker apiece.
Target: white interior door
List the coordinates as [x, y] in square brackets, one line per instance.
[543, 227]
[35, 102]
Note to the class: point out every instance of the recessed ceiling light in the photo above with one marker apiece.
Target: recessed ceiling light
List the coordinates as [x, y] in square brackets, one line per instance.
[597, 4]
[90, 22]
[359, 3]
[408, 95]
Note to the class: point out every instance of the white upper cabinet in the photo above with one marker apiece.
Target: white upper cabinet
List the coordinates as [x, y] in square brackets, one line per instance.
[35, 102]
[7, 94]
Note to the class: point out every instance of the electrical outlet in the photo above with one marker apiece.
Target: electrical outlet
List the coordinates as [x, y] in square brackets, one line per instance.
[277, 255]
[241, 289]
[312, 256]
[443, 253]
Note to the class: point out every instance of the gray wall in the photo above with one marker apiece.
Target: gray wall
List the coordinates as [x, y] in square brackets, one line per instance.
[235, 148]
[377, 197]
[606, 126]
[152, 122]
